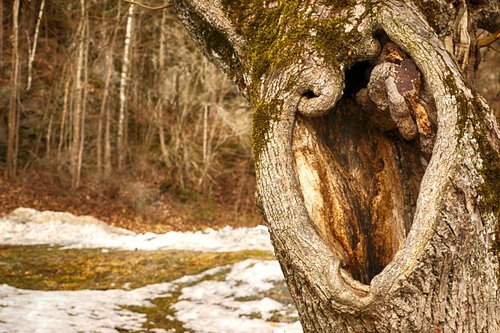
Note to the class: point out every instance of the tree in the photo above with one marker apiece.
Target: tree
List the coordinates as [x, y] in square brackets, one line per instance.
[13, 115]
[377, 163]
[122, 116]
[79, 99]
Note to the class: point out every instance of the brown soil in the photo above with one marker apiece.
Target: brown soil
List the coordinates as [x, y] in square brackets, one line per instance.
[134, 205]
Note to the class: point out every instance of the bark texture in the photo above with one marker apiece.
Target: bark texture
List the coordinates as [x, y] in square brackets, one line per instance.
[377, 162]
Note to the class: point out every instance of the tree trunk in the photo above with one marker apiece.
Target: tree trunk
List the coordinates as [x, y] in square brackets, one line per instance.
[122, 115]
[79, 102]
[64, 115]
[1, 33]
[377, 163]
[104, 117]
[163, 89]
[13, 115]
[32, 51]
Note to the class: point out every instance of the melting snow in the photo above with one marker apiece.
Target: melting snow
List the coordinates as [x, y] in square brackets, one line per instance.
[230, 304]
[26, 226]
[205, 307]
[216, 306]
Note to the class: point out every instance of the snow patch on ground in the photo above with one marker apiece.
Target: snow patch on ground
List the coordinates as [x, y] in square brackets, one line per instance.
[26, 226]
[205, 306]
[221, 300]
[68, 311]
[220, 306]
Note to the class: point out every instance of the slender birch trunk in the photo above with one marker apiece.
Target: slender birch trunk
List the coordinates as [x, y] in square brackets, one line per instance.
[81, 147]
[122, 113]
[108, 115]
[31, 57]
[48, 138]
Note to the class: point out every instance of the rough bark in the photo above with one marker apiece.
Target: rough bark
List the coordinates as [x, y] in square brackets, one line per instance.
[377, 162]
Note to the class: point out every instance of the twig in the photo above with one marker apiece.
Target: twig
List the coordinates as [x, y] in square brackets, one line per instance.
[32, 51]
[148, 7]
[494, 49]
[488, 40]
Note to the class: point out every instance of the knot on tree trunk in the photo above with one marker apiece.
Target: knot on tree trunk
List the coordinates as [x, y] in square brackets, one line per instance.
[319, 88]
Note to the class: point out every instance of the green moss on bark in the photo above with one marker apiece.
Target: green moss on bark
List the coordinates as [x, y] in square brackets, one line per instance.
[489, 190]
[472, 113]
[273, 33]
[278, 35]
[264, 113]
[332, 40]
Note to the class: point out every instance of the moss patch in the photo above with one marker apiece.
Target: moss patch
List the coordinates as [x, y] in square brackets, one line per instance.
[50, 268]
[160, 315]
[276, 35]
[279, 293]
[490, 171]
[263, 114]
[263, 28]
[473, 113]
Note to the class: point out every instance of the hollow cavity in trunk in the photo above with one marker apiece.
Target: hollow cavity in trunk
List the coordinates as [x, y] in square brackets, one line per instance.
[360, 185]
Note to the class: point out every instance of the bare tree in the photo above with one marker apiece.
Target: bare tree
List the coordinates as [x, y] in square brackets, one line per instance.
[122, 116]
[78, 115]
[13, 116]
[163, 86]
[31, 57]
[104, 121]
[1, 32]
[377, 162]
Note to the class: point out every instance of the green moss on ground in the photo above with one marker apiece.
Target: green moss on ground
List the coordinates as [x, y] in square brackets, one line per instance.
[279, 292]
[43, 267]
[160, 315]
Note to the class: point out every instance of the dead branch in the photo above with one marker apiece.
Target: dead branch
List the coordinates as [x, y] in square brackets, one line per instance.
[168, 5]
[488, 40]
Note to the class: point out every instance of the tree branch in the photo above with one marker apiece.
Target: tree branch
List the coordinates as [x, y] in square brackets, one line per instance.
[166, 6]
[212, 13]
[488, 40]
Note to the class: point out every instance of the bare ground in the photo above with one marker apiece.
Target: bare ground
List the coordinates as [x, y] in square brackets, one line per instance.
[136, 205]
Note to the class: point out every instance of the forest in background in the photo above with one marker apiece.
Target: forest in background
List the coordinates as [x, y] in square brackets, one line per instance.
[115, 101]
[109, 109]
